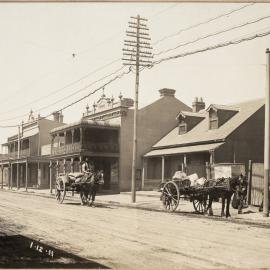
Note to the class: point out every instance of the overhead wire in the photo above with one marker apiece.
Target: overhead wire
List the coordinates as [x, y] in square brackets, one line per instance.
[78, 100]
[213, 34]
[64, 87]
[66, 97]
[82, 52]
[159, 53]
[155, 63]
[220, 45]
[202, 23]
[76, 81]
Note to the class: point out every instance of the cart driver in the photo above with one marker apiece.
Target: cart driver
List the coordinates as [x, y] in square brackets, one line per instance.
[87, 170]
[85, 166]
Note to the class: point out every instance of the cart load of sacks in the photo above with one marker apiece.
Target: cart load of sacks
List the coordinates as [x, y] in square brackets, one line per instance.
[190, 180]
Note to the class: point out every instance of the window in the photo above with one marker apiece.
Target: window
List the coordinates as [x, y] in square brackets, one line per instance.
[213, 120]
[182, 128]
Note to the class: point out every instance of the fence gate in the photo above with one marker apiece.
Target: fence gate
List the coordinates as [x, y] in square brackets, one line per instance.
[257, 183]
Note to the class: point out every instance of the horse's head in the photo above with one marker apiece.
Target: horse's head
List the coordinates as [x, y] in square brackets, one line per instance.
[99, 177]
[237, 181]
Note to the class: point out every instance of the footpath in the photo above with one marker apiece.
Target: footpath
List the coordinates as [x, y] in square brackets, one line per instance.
[150, 201]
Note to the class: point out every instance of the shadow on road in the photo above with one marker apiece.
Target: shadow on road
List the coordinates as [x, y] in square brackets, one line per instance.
[97, 205]
[72, 203]
[17, 251]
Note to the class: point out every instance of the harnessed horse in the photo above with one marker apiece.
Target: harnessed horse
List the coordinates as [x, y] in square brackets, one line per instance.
[90, 186]
[225, 194]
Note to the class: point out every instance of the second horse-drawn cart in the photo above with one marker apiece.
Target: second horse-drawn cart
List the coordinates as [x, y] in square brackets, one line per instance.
[85, 185]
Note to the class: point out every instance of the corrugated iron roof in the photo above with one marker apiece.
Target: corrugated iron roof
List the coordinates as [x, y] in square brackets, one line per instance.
[85, 122]
[223, 107]
[192, 114]
[202, 133]
[183, 149]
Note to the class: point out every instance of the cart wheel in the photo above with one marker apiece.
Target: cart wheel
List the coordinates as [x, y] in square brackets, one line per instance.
[201, 204]
[170, 196]
[60, 190]
[83, 198]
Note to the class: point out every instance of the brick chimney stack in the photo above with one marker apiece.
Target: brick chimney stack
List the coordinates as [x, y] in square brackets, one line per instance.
[198, 104]
[166, 92]
[58, 117]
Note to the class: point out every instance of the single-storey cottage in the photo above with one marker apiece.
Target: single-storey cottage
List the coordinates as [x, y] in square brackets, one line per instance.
[217, 134]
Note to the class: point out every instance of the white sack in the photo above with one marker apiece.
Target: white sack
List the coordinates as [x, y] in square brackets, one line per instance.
[179, 175]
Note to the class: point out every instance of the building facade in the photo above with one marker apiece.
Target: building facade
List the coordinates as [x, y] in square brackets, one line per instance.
[203, 137]
[105, 133]
[26, 162]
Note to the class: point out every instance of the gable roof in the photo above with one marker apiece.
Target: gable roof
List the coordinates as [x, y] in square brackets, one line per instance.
[192, 114]
[223, 107]
[201, 132]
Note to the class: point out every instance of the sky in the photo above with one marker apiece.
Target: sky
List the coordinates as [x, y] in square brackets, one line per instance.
[53, 54]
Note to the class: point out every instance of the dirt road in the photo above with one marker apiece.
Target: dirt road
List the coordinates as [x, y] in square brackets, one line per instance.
[118, 237]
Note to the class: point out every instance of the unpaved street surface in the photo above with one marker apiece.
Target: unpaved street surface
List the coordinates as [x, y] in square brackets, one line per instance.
[117, 237]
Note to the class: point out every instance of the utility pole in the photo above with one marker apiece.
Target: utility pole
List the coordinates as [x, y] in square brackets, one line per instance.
[137, 53]
[266, 138]
[19, 150]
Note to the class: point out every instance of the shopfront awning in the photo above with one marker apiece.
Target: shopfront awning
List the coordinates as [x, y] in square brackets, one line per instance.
[183, 150]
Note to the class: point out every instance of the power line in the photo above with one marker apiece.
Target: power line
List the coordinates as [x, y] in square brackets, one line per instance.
[82, 52]
[64, 87]
[81, 89]
[215, 34]
[80, 99]
[70, 84]
[94, 91]
[66, 97]
[225, 44]
[10, 126]
[157, 62]
[220, 45]
[202, 23]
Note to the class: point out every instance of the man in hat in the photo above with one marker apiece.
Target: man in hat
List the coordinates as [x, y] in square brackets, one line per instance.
[85, 166]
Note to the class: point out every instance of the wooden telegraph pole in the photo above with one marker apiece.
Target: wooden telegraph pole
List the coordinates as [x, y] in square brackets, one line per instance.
[18, 157]
[137, 53]
[266, 138]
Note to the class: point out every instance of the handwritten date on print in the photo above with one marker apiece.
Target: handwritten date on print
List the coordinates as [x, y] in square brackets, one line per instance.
[40, 248]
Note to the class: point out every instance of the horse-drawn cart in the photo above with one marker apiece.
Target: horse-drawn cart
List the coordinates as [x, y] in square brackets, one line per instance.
[85, 185]
[174, 190]
[227, 179]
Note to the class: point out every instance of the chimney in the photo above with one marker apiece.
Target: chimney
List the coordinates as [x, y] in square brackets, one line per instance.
[56, 116]
[61, 118]
[198, 104]
[166, 92]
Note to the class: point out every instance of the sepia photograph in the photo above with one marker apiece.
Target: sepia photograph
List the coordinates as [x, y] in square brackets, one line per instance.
[134, 135]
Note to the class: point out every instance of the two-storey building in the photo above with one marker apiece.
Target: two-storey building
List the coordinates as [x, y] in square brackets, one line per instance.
[104, 135]
[26, 162]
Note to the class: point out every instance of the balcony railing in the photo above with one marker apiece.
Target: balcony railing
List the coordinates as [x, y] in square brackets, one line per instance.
[66, 149]
[23, 153]
[92, 147]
